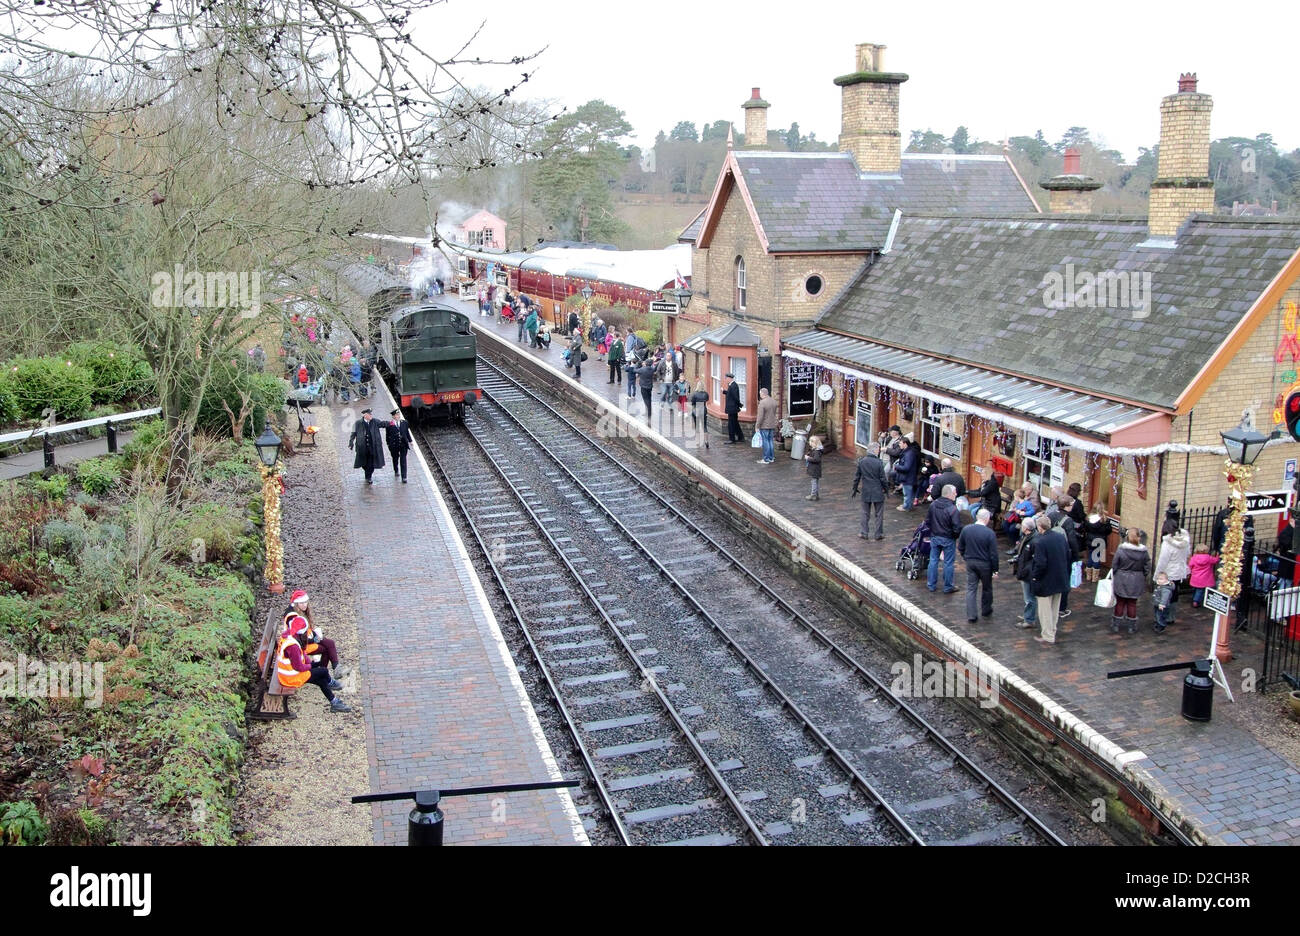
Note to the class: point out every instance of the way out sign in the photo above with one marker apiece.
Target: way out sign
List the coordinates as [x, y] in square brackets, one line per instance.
[1265, 502]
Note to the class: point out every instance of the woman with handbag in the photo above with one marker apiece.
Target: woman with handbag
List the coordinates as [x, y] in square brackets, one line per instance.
[1131, 569]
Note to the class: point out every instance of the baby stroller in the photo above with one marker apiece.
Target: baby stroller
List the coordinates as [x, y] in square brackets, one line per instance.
[506, 313]
[915, 556]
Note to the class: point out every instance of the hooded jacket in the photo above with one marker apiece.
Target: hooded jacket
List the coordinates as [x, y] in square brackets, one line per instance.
[1131, 566]
[1175, 550]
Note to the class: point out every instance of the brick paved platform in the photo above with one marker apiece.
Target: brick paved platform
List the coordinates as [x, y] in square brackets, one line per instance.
[1217, 777]
[444, 705]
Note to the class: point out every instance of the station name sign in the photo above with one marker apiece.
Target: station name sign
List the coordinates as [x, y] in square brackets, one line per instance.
[664, 307]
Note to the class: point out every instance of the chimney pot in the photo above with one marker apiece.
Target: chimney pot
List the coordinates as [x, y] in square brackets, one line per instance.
[1187, 83]
[1071, 162]
[754, 95]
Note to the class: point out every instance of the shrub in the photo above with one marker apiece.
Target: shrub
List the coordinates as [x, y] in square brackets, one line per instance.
[63, 538]
[55, 487]
[266, 394]
[98, 475]
[119, 371]
[57, 383]
[21, 824]
[217, 528]
[9, 409]
[148, 446]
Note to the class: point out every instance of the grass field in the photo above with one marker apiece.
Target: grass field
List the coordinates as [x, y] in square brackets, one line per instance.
[655, 225]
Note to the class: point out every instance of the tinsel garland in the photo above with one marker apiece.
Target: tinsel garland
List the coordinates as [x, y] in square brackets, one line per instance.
[272, 486]
[1234, 536]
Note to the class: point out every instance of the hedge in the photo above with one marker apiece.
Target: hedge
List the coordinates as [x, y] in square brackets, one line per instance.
[55, 382]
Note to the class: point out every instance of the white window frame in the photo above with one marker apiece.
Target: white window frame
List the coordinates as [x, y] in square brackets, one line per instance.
[932, 417]
[740, 367]
[715, 377]
[740, 284]
[862, 406]
[1033, 454]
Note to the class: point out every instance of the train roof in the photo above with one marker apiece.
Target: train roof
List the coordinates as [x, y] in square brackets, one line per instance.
[643, 269]
[369, 279]
[412, 307]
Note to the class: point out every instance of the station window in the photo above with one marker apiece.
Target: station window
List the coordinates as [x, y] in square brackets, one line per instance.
[862, 417]
[1040, 455]
[740, 284]
[934, 439]
[738, 367]
[813, 285]
[715, 377]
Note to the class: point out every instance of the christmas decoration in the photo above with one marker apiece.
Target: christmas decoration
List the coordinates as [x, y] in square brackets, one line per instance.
[1238, 477]
[272, 487]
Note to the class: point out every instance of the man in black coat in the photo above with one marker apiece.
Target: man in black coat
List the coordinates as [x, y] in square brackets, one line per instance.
[947, 476]
[368, 442]
[733, 411]
[1051, 577]
[945, 524]
[871, 480]
[397, 433]
[978, 546]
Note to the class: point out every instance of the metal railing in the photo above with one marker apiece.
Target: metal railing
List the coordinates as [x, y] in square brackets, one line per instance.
[44, 432]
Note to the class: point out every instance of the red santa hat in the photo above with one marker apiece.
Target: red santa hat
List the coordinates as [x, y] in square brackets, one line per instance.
[299, 597]
[297, 625]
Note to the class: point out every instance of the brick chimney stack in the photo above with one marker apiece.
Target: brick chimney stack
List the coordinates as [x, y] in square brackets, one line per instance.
[869, 112]
[1071, 191]
[1182, 186]
[755, 121]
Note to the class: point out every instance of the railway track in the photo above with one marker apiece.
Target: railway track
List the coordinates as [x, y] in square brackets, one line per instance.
[686, 741]
[931, 791]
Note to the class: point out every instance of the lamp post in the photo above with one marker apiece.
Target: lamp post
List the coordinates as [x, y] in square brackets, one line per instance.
[1244, 445]
[587, 293]
[268, 452]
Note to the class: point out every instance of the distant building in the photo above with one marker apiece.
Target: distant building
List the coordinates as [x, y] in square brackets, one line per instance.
[481, 229]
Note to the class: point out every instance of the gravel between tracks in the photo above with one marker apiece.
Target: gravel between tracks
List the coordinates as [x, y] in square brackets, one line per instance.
[314, 762]
[1064, 813]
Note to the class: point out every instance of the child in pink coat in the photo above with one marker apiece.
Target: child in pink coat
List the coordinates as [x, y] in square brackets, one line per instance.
[1201, 566]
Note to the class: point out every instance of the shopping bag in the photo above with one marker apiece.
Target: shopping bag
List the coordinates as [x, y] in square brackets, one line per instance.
[1076, 574]
[757, 440]
[1106, 591]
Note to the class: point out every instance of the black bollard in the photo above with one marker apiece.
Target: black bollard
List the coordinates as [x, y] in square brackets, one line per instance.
[112, 437]
[424, 822]
[48, 449]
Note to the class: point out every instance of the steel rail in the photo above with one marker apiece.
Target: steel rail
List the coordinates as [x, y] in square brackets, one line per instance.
[996, 790]
[647, 677]
[602, 791]
[876, 800]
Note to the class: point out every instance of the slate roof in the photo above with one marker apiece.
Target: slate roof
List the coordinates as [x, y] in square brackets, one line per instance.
[691, 232]
[821, 202]
[732, 335]
[975, 290]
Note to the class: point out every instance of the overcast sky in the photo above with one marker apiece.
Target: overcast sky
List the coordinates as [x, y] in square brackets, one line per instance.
[1001, 69]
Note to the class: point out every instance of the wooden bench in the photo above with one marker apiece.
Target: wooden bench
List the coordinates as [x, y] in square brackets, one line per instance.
[270, 699]
[306, 433]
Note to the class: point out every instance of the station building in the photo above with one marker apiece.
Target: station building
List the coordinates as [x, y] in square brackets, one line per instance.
[1057, 347]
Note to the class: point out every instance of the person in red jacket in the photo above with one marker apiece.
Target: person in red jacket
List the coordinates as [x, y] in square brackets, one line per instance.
[293, 667]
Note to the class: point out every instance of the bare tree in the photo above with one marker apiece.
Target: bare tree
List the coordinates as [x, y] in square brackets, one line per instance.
[150, 142]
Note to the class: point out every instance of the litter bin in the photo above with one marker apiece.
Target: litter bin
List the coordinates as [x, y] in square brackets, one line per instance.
[1198, 692]
[797, 446]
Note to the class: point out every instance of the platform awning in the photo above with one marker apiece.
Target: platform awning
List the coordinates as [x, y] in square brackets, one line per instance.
[1080, 420]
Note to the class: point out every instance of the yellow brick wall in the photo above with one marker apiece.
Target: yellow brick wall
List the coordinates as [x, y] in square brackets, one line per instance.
[1184, 136]
[1252, 380]
[869, 126]
[755, 126]
[1170, 207]
[1069, 201]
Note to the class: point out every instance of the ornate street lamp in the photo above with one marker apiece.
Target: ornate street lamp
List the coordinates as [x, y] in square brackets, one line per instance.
[587, 292]
[1244, 445]
[268, 452]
